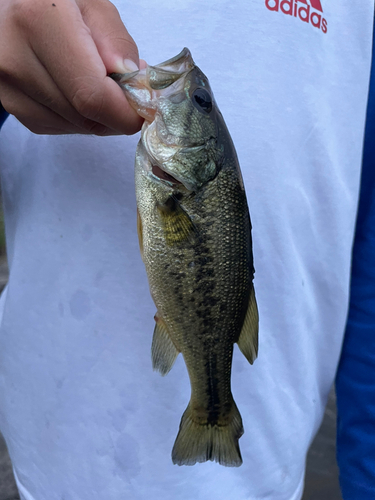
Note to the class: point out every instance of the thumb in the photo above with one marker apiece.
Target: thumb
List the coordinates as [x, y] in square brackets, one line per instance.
[116, 47]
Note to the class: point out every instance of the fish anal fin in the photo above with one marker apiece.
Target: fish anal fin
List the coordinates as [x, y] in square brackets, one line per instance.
[163, 349]
[140, 232]
[248, 339]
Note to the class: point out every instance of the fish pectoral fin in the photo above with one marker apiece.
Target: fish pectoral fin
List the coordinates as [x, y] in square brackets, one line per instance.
[163, 349]
[140, 232]
[177, 225]
[248, 339]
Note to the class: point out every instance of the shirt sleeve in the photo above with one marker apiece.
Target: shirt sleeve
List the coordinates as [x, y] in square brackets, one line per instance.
[3, 115]
[355, 382]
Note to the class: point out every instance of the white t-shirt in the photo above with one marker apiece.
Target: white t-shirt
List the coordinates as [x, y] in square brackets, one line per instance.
[84, 415]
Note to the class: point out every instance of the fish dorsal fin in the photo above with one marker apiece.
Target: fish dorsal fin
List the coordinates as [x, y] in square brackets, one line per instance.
[163, 350]
[248, 339]
[177, 225]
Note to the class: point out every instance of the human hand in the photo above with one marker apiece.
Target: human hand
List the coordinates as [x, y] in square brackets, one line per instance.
[55, 56]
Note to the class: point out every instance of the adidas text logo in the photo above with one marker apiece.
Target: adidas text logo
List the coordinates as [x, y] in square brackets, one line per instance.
[311, 12]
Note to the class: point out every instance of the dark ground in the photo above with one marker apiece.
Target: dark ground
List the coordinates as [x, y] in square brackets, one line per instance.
[321, 482]
[321, 475]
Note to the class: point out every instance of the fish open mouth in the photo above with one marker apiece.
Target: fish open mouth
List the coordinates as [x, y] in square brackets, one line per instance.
[161, 174]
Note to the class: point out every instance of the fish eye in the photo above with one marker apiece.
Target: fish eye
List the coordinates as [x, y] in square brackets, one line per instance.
[202, 100]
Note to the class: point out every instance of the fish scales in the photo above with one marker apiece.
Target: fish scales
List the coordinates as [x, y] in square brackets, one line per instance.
[195, 238]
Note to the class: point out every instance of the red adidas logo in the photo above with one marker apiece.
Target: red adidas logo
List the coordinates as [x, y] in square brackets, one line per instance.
[310, 12]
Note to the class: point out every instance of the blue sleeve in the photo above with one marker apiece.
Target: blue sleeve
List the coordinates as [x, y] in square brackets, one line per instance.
[355, 382]
[3, 115]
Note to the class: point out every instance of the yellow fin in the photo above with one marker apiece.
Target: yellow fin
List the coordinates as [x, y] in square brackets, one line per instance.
[201, 442]
[140, 232]
[163, 350]
[177, 225]
[248, 339]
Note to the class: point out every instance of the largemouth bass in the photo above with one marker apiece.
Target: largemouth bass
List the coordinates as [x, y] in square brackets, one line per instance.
[195, 237]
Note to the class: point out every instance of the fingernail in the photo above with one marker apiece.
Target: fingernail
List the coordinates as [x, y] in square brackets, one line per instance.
[130, 66]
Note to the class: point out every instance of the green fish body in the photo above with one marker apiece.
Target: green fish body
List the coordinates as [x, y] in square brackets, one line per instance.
[195, 237]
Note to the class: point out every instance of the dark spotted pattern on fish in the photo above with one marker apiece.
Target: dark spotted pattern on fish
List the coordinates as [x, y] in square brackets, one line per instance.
[195, 237]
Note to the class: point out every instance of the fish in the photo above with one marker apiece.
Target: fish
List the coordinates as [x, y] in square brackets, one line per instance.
[194, 234]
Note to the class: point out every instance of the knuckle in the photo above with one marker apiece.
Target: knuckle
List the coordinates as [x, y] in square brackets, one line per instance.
[110, 7]
[5, 72]
[34, 126]
[95, 128]
[95, 9]
[9, 71]
[36, 129]
[28, 118]
[10, 105]
[103, 5]
[25, 12]
[88, 101]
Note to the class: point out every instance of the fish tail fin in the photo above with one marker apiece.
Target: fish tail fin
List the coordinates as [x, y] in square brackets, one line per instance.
[197, 442]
